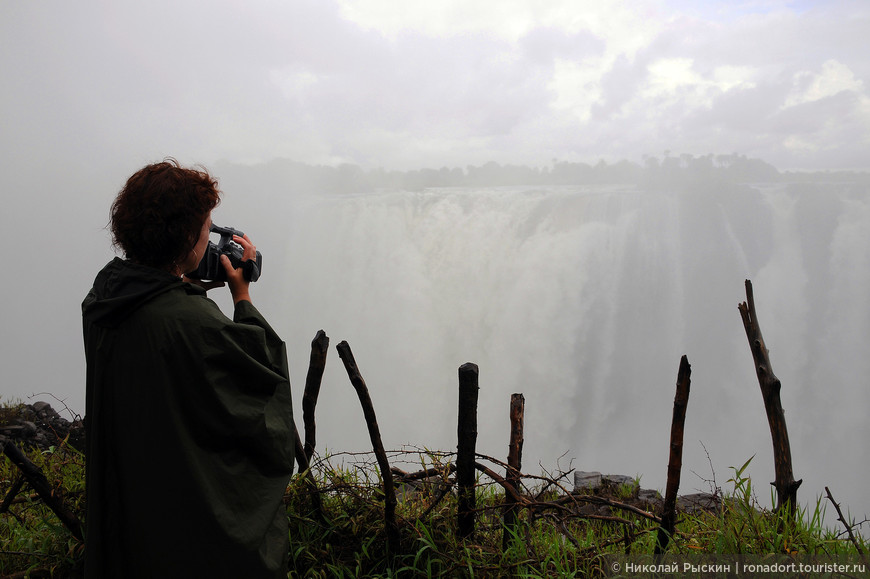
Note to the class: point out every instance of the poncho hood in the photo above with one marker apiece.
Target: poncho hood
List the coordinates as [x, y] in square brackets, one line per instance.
[122, 287]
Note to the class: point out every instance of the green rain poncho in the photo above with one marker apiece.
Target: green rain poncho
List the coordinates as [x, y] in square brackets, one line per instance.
[190, 435]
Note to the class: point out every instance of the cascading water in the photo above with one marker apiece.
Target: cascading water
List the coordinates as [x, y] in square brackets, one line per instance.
[584, 299]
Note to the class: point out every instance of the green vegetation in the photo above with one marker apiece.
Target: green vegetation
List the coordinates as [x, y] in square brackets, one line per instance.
[31, 536]
[548, 542]
[553, 537]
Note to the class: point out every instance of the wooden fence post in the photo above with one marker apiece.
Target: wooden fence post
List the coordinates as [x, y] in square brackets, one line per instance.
[319, 348]
[466, 448]
[786, 486]
[512, 474]
[375, 434]
[304, 465]
[675, 461]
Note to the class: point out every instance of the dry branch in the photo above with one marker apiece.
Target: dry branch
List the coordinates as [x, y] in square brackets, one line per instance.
[845, 524]
[405, 477]
[595, 500]
[507, 486]
[362, 391]
[785, 484]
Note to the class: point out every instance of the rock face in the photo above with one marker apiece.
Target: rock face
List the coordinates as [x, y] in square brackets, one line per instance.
[627, 490]
[39, 425]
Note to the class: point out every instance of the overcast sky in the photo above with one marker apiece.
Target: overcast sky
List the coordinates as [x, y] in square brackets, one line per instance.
[91, 90]
[428, 83]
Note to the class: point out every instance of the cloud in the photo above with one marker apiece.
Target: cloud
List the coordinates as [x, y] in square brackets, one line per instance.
[833, 78]
[412, 84]
[617, 21]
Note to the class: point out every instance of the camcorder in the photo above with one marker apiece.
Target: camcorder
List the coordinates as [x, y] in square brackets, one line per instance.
[210, 267]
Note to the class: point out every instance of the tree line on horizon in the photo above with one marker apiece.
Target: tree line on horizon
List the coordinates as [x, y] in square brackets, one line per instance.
[654, 173]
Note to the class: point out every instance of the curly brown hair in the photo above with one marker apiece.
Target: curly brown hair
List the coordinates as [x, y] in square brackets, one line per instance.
[158, 215]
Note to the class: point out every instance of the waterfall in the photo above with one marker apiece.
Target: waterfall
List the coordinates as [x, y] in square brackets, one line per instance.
[583, 299]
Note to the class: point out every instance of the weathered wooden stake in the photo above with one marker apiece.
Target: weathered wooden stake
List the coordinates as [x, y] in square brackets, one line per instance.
[466, 448]
[374, 433]
[302, 461]
[675, 461]
[786, 486]
[319, 348]
[512, 473]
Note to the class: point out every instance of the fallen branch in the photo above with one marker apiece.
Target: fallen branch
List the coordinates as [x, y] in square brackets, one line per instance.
[402, 476]
[508, 487]
[40, 484]
[595, 500]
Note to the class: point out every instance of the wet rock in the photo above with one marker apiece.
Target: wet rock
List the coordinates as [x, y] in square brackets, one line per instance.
[420, 489]
[586, 480]
[28, 429]
[614, 486]
[618, 479]
[699, 502]
[39, 425]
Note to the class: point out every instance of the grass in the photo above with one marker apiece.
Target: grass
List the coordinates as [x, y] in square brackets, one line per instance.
[547, 542]
[348, 537]
[31, 536]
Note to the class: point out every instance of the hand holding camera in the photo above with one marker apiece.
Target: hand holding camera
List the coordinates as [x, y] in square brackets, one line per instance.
[239, 250]
[233, 259]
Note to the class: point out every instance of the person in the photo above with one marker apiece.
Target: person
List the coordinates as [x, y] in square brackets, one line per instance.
[188, 413]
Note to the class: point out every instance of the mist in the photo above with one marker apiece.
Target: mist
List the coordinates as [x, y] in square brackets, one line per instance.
[568, 194]
[583, 297]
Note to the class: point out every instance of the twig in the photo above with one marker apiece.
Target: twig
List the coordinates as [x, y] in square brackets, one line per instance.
[553, 481]
[74, 415]
[845, 524]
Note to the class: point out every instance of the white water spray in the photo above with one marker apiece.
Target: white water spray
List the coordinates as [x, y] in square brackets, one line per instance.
[584, 299]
